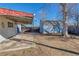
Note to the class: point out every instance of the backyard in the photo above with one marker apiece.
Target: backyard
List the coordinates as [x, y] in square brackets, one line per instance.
[41, 29]
[41, 45]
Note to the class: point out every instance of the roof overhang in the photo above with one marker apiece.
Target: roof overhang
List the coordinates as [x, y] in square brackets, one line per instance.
[16, 16]
[25, 20]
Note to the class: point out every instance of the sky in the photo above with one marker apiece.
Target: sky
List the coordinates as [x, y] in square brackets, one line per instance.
[34, 8]
[26, 7]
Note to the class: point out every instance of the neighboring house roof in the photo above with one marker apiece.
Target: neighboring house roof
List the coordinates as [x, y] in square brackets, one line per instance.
[16, 15]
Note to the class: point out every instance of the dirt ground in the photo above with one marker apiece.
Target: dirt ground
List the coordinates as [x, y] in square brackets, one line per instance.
[40, 50]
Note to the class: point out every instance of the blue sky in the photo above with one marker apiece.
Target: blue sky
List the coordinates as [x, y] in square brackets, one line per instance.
[26, 7]
[35, 8]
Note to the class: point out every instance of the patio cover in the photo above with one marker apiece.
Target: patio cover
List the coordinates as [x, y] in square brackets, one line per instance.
[17, 16]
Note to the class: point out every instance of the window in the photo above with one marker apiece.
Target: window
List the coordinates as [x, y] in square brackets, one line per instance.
[10, 24]
[3, 25]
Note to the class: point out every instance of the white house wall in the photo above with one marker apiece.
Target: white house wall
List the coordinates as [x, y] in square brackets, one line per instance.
[6, 31]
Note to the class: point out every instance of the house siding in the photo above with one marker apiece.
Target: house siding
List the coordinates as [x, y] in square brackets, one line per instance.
[6, 31]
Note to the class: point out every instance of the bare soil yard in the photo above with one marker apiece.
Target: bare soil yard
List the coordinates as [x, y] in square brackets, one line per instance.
[41, 50]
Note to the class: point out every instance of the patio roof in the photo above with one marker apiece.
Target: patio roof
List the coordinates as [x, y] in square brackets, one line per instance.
[17, 16]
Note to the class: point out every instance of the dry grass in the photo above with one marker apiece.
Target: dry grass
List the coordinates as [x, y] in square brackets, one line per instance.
[56, 41]
[39, 50]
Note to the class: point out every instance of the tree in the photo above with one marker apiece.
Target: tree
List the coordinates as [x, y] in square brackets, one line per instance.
[65, 18]
[75, 14]
[69, 11]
